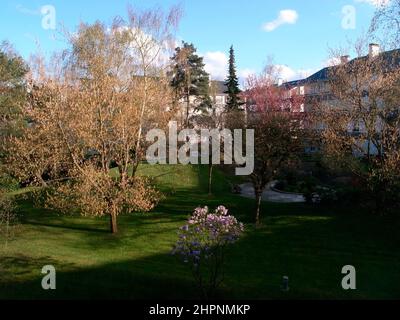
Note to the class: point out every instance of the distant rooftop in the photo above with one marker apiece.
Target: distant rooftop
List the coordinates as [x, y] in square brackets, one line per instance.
[392, 57]
[220, 86]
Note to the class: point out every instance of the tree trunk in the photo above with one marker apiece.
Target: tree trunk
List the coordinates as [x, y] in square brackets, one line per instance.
[258, 208]
[113, 223]
[187, 111]
[7, 228]
[210, 173]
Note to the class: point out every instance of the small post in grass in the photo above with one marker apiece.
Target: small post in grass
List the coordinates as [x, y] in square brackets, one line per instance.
[285, 284]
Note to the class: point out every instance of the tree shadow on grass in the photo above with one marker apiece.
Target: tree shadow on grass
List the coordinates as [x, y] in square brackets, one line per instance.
[310, 250]
[67, 227]
[141, 279]
[14, 269]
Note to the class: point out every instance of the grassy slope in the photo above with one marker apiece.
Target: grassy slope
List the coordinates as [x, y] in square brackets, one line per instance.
[307, 244]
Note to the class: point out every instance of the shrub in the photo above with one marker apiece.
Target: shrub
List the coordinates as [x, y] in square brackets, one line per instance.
[7, 182]
[202, 245]
[326, 195]
[308, 187]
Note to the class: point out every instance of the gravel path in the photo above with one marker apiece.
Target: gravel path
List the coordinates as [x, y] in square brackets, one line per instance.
[247, 191]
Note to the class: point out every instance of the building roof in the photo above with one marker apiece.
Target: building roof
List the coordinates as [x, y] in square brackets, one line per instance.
[294, 83]
[321, 75]
[392, 58]
[220, 87]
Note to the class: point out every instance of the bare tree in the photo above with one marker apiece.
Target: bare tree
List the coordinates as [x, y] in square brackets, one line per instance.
[360, 126]
[385, 25]
[278, 131]
[209, 116]
[91, 110]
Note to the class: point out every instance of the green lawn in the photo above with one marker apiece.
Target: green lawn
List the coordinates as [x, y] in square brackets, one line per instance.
[310, 245]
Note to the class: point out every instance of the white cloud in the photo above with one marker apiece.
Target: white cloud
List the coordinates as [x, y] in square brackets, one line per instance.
[159, 52]
[245, 73]
[289, 74]
[375, 3]
[20, 8]
[285, 17]
[216, 64]
[331, 62]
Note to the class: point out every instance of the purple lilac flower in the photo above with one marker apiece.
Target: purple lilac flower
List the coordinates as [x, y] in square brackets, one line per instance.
[204, 231]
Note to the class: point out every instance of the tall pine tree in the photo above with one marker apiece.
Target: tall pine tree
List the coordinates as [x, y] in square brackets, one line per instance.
[232, 83]
[12, 90]
[189, 79]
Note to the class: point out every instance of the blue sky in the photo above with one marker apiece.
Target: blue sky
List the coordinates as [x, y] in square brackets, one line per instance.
[296, 33]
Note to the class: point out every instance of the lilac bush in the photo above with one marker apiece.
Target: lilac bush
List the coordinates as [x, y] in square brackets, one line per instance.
[202, 244]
